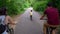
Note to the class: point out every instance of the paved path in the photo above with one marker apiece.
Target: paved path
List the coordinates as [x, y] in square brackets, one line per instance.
[26, 26]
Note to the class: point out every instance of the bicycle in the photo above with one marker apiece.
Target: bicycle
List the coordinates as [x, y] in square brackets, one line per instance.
[49, 29]
[30, 17]
[9, 29]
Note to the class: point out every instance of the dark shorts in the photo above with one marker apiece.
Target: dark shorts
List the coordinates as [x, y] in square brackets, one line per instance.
[30, 15]
[53, 28]
[50, 29]
[2, 28]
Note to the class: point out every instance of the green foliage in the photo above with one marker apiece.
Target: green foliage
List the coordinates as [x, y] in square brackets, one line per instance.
[40, 5]
[56, 3]
[11, 8]
[15, 7]
[2, 3]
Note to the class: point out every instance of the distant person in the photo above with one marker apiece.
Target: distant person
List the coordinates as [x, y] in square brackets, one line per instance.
[53, 18]
[4, 20]
[31, 14]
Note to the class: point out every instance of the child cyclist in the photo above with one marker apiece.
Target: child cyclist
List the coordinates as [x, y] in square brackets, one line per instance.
[31, 14]
[53, 18]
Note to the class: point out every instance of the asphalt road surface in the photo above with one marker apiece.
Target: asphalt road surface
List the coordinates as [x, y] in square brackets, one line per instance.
[26, 26]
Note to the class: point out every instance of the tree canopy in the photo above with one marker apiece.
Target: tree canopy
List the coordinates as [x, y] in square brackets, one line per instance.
[17, 6]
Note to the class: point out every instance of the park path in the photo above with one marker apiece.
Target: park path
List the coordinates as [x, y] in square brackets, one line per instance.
[26, 26]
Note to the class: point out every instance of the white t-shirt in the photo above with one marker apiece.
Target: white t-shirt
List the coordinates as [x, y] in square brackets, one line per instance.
[31, 13]
[2, 17]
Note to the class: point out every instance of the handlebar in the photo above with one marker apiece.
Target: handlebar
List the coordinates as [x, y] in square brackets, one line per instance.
[43, 19]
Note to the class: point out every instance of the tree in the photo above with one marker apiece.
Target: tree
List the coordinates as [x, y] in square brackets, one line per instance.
[15, 6]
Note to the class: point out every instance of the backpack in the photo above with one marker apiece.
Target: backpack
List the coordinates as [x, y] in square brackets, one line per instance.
[2, 24]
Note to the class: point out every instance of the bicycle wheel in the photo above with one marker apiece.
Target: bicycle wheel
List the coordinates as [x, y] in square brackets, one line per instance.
[31, 17]
[11, 31]
[48, 30]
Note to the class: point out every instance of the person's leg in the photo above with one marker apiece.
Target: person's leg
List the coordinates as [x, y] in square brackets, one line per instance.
[44, 28]
[31, 17]
[53, 30]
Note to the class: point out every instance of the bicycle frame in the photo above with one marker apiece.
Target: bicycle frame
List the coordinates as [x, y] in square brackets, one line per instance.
[30, 17]
[48, 30]
[10, 30]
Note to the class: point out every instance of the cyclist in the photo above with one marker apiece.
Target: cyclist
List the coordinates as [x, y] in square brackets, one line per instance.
[4, 20]
[53, 18]
[31, 14]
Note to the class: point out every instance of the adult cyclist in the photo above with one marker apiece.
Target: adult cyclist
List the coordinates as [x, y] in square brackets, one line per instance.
[4, 20]
[53, 18]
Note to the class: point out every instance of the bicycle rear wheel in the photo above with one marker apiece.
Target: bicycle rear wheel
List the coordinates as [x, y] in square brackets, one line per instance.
[31, 17]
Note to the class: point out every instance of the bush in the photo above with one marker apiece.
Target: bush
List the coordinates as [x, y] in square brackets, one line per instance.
[14, 7]
[40, 6]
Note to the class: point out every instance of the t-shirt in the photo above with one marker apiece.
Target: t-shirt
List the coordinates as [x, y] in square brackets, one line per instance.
[30, 13]
[52, 15]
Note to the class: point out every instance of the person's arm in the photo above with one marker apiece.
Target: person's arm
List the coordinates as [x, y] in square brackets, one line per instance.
[43, 15]
[10, 20]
